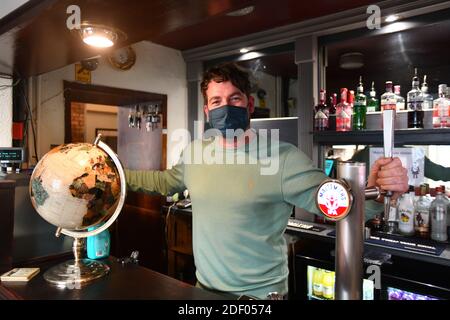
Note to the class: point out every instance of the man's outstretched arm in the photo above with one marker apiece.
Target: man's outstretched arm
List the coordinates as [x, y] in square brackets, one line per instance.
[155, 181]
[301, 179]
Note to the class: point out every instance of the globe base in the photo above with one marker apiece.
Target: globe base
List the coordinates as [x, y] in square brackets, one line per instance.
[73, 274]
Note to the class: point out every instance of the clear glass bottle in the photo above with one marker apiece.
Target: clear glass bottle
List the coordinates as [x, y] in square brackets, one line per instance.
[414, 100]
[372, 101]
[321, 113]
[441, 108]
[406, 214]
[427, 99]
[400, 100]
[448, 212]
[422, 213]
[360, 108]
[392, 219]
[343, 117]
[439, 211]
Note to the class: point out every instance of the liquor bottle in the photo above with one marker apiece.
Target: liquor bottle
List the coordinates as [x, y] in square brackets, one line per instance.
[406, 214]
[392, 219]
[372, 101]
[448, 213]
[321, 113]
[317, 283]
[415, 112]
[328, 285]
[422, 213]
[350, 103]
[388, 100]
[441, 108]
[332, 113]
[427, 99]
[343, 117]
[400, 100]
[359, 108]
[439, 211]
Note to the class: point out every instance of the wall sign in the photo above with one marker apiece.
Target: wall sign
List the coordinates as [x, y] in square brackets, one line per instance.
[413, 159]
[82, 74]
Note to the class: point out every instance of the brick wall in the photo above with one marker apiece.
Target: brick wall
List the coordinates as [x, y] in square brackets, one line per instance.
[78, 122]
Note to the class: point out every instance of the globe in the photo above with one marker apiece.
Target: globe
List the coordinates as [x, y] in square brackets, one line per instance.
[80, 189]
[75, 186]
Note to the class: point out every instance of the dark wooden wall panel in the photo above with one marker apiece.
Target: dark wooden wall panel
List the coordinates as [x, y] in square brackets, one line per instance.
[7, 193]
[141, 229]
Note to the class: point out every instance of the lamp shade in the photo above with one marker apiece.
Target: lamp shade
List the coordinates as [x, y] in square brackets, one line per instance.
[351, 60]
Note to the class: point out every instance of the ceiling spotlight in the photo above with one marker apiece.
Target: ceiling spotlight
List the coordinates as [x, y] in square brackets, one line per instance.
[392, 18]
[244, 50]
[241, 12]
[100, 36]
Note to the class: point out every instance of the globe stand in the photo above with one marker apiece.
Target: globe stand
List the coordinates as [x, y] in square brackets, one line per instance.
[73, 274]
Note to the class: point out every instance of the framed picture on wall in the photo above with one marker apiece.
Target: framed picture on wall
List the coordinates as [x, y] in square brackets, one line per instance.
[109, 136]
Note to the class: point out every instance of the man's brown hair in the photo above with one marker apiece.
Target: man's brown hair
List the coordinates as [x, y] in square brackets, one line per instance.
[228, 71]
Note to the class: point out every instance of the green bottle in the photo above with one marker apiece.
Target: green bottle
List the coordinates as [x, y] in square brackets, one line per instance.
[372, 102]
[359, 108]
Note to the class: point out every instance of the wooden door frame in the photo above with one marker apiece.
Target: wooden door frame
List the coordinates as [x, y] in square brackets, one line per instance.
[96, 94]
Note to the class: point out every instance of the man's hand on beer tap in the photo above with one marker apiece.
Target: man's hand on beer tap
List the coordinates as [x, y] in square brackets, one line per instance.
[388, 174]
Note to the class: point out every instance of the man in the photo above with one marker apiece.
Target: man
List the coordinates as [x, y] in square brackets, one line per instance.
[240, 214]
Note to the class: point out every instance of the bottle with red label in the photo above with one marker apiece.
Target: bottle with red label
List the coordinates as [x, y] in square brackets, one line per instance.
[343, 115]
[388, 99]
[441, 109]
[321, 113]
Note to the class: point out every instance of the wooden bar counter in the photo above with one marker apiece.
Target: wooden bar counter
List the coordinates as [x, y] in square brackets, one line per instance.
[124, 282]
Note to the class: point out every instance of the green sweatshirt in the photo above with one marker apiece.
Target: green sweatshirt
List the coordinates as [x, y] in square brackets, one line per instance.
[240, 214]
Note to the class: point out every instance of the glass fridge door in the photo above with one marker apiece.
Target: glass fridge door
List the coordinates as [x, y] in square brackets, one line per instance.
[320, 285]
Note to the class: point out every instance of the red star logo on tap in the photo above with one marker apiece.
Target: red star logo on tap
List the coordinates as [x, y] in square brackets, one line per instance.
[333, 199]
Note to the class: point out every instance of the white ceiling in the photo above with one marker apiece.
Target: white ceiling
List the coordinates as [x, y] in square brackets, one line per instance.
[6, 6]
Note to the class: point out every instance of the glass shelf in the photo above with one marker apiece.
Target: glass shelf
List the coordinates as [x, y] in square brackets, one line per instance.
[375, 137]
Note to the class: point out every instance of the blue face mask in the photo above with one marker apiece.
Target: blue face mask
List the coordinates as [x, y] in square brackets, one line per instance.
[228, 117]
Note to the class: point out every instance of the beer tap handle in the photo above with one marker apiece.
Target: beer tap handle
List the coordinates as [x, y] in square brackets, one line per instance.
[388, 143]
